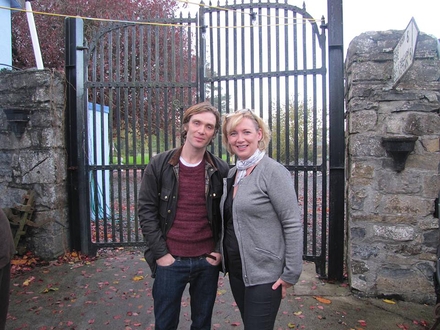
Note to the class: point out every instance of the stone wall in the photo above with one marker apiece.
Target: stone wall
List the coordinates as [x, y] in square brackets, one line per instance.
[392, 231]
[37, 159]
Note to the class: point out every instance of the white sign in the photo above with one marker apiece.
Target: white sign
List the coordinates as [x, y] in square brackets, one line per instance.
[404, 51]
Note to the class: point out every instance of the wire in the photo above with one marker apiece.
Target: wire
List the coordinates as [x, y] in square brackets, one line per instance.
[91, 18]
[11, 66]
[252, 14]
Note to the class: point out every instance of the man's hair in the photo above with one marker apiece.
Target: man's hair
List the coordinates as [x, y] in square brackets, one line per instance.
[196, 109]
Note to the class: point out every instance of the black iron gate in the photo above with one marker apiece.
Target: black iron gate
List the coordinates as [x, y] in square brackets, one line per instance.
[126, 100]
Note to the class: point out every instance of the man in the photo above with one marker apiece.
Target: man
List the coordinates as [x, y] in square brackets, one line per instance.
[7, 250]
[180, 219]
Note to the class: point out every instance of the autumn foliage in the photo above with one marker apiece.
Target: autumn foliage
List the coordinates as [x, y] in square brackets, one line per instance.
[50, 26]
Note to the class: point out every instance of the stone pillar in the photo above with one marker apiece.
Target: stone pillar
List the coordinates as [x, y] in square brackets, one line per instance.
[392, 232]
[37, 158]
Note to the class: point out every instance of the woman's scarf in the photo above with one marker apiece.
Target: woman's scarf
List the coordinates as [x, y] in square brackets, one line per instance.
[243, 165]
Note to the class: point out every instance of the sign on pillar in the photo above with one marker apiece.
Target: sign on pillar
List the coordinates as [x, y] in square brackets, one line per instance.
[404, 51]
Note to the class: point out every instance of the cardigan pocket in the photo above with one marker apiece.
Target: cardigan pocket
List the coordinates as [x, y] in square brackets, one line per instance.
[269, 253]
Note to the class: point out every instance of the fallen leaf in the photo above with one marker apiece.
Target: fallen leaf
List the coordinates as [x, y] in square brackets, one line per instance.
[298, 313]
[28, 281]
[49, 289]
[323, 300]
[388, 301]
[290, 325]
[362, 323]
[138, 278]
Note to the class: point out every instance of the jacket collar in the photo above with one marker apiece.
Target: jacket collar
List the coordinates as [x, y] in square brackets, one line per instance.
[174, 160]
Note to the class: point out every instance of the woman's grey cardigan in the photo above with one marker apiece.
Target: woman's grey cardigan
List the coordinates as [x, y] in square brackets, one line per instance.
[267, 224]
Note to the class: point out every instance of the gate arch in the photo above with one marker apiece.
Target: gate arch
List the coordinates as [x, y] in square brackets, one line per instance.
[139, 77]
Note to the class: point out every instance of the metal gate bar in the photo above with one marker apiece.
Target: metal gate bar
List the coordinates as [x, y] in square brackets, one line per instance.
[267, 56]
[136, 72]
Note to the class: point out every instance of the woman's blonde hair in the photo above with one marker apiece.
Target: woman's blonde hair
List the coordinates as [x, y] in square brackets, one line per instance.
[231, 120]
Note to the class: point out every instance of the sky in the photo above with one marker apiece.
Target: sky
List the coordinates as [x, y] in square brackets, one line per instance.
[375, 15]
[381, 15]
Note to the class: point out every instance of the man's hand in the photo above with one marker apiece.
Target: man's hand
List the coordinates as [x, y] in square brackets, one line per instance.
[166, 260]
[214, 258]
[284, 285]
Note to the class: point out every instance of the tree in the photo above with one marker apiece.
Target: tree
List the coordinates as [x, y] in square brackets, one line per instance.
[50, 27]
[303, 142]
[135, 49]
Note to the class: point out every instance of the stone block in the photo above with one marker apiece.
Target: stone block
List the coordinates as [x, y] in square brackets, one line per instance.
[408, 182]
[363, 145]
[362, 121]
[405, 204]
[395, 233]
[407, 283]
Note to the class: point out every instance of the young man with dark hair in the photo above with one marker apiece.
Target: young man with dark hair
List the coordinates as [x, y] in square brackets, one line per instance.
[180, 219]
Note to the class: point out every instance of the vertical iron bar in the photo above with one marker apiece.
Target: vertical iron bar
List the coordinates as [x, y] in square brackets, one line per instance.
[278, 83]
[235, 52]
[142, 93]
[252, 18]
[286, 89]
[243, 58]
[103, 160]
[92, 173]
[181, 75]
[260, 58]
[165, 80]
[218, 70]
[110, 134]
[313, 128]
[173, 82]
[118, 129]
[149, 92]
[202, 54]
[269, 69]
[157, 106]
[126, 134]
[200, 57]
[324, 196]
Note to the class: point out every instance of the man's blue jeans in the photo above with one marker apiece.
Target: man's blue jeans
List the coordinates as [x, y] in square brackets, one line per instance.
[168, 287]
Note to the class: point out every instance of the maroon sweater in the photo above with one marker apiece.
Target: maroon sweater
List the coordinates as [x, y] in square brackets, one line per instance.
[191, 235]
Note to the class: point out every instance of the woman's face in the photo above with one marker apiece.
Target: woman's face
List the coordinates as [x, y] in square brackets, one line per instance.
[244, 138]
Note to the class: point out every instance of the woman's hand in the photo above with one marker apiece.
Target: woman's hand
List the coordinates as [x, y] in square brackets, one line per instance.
[284, 288]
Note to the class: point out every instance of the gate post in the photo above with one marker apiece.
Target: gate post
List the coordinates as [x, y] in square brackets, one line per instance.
[337, 142]
[75, 135]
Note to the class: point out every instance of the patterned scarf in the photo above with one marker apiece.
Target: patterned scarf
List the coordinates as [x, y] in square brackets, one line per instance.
[243, 165]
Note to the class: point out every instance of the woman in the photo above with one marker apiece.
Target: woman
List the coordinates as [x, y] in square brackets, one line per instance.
[262, 236]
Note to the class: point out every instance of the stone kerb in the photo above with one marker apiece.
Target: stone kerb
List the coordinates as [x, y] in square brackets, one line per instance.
[36, 159]
[392, 232]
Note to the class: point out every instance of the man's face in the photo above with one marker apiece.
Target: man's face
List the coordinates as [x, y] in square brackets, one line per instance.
[200, 130]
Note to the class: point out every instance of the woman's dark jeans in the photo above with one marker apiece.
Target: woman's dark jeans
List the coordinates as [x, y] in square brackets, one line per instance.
[258, 304]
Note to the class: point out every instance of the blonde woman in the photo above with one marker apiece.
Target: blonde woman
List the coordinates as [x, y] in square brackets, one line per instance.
[263, 235]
